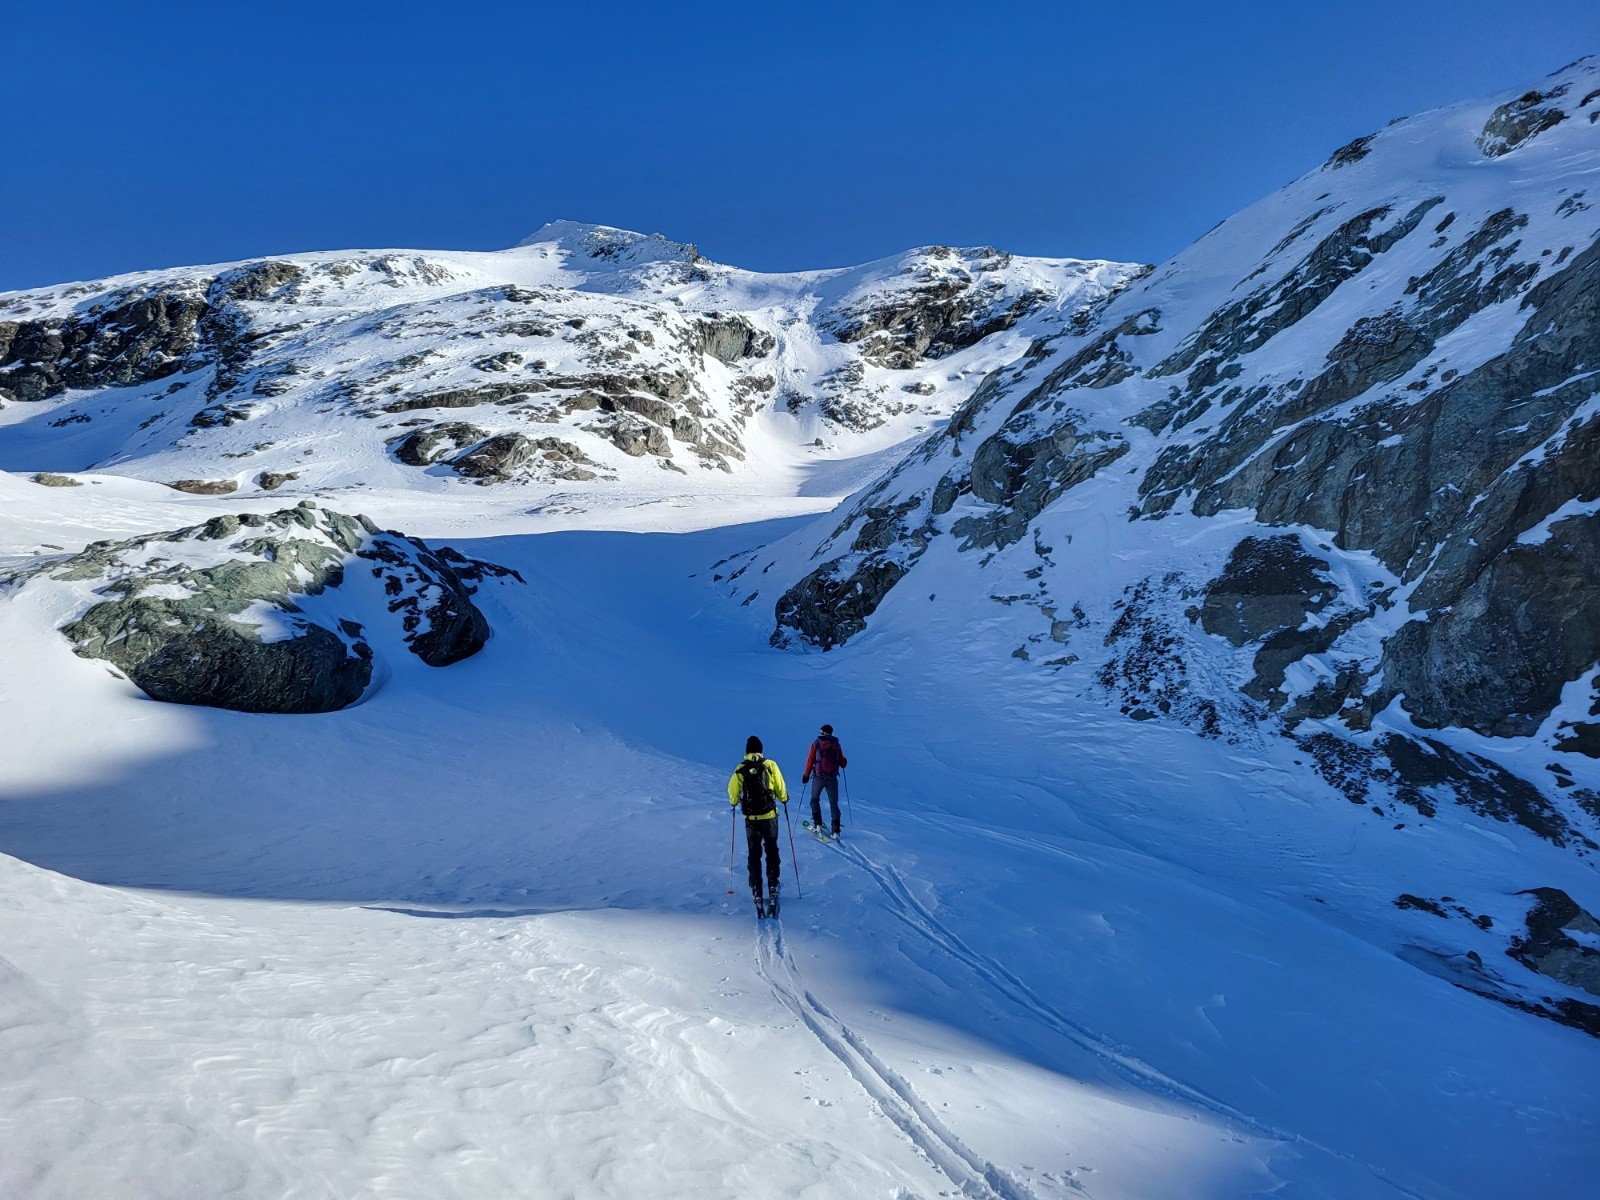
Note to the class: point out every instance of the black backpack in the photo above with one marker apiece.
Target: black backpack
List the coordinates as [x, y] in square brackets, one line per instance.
[755, 798]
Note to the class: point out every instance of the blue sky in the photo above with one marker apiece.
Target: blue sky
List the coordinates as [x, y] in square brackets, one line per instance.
[774, 135]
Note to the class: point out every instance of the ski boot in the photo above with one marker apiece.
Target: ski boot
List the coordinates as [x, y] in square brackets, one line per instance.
[772, 901]
[761, 904]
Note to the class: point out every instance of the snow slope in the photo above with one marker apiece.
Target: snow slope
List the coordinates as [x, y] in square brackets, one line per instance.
[473, 937]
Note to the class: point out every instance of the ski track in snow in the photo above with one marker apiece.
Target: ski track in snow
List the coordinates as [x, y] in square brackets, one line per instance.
[914, 914]
[889, 1090]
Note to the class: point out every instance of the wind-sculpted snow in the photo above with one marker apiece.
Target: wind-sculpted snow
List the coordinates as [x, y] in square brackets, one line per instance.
[1391, 371]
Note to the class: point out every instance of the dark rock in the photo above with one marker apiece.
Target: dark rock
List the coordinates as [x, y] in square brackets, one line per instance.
[220, 416]
[636, 438]
[487, 393]
[1269, 584]
[947, 306]
[192, 634]
[205, 487]
[135, 337]
[1351, 152]
[271, 481]
[434, 443]
[1549, 947]
[441, 624]
[1426, 770]
[1496, 659]
[1512, 124]
[220, 664]
[729, 338]
[828, 609]
[497, 458]
[257, 281]
[1020, 472]
[1580, 737]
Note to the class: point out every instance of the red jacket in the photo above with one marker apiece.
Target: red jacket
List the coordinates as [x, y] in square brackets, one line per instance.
[811, 759]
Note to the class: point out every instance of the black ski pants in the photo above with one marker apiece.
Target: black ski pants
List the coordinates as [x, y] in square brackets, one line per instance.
[763, 836]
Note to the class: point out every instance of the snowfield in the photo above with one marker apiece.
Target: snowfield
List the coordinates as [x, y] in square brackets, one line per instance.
[473, 937]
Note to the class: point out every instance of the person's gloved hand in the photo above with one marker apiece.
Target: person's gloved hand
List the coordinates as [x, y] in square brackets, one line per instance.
[805, 777]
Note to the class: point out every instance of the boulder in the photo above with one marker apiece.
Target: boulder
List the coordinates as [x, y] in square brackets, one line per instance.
[215, 614]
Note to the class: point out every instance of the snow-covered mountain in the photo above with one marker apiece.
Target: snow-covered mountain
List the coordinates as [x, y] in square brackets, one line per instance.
[1331, 472]
[571, 360]
[1212, 648]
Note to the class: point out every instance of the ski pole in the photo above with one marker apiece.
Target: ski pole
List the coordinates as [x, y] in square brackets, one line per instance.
[733, 830]
[850, 808]
[794, 859]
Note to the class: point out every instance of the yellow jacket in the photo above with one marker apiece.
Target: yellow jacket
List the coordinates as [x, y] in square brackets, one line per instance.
[775, 785]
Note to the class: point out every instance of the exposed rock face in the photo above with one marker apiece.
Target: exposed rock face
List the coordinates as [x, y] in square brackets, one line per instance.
[828, 607]
[1020, 470]
[729, 338]
[204, 487]
[498, 459]
[1550, 947]
[128, 337]
[1510, 125]
[434, 443]
[947, 300]
[217, 614]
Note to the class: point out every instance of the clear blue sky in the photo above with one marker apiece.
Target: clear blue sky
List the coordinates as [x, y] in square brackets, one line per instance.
[776, 135]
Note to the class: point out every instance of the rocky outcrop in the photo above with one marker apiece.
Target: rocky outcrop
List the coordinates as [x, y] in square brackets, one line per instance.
[728, 338]
[1021, 469]
[498, 459]
[831, 605]
[946, 300]
[263, 612]
[1550, 944]
[435, 443]
[134, 336]
[1512, 124]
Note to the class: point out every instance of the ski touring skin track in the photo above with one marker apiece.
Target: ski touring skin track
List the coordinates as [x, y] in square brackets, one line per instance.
[915, 915]
[972, 1175]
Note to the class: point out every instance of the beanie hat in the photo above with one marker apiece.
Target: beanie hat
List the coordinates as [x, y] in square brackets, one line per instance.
[828, 729]
[752, 744]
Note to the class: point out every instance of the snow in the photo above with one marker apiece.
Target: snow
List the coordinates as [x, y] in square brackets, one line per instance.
[474, 937]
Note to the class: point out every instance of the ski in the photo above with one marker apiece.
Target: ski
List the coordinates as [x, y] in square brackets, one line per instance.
[819, 833]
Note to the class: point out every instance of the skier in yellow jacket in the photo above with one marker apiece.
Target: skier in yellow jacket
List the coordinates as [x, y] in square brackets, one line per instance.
[757, 788]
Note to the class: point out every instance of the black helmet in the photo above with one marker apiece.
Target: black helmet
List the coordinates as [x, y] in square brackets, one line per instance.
[752, 744]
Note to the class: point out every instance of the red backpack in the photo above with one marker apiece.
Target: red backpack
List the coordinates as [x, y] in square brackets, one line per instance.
[829, 760]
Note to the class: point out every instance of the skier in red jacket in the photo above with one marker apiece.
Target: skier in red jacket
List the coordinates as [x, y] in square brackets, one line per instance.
[823, 764]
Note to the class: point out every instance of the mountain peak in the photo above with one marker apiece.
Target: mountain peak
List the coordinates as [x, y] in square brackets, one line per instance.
[622, 247]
